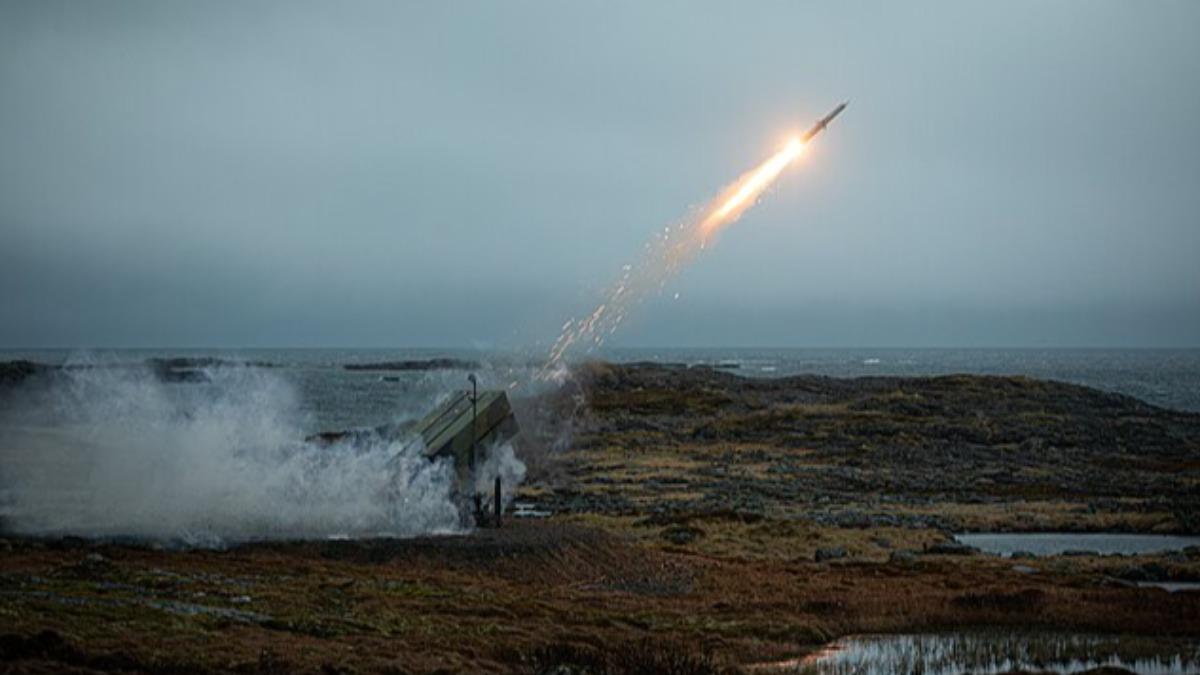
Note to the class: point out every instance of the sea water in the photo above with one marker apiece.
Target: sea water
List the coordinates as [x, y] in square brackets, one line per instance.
[335, 398]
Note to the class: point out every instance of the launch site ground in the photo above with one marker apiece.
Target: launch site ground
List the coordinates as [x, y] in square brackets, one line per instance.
[700, 522]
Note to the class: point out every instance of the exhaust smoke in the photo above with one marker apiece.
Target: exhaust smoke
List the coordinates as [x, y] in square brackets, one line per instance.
[110, 451]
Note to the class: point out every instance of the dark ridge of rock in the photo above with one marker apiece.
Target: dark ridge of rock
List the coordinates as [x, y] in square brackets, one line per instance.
[188, 376]
[716, 366]
[197, 362]
[417, 364]
[15, 372]
[663, 365]
[178, 369]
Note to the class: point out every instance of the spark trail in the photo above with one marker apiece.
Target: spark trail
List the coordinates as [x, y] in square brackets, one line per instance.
[670, 250]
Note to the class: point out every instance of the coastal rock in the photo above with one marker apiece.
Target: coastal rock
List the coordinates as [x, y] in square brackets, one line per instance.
[199, 362]
[416, 364]
[831, 553]
[184, 369]
[950, 548]
[15, 372]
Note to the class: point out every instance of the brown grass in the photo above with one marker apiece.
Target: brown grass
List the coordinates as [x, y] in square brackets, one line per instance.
[746, 591]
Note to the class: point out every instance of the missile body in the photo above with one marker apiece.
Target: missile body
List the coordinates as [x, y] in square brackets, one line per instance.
[822, 123]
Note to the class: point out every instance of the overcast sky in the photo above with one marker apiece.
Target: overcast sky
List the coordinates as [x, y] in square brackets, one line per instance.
[472, 174]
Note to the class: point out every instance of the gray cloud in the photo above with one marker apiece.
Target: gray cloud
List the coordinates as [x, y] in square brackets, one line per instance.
[283, 173]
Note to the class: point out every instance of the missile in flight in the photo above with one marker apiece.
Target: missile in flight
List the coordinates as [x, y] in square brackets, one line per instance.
[823, 122]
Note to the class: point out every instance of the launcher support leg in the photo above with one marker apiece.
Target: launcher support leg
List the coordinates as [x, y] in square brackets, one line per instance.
[499, 505]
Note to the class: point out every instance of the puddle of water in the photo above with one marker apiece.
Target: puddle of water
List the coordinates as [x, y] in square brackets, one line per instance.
[528, 510]
[1055, 543]
[1172, 586]
[991, 653]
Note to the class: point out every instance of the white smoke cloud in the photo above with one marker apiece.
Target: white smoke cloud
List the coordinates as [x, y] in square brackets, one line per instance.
[501, 462]
[106, 451]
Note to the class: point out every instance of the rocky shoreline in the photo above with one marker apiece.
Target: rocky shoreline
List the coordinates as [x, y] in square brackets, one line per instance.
[878, 452]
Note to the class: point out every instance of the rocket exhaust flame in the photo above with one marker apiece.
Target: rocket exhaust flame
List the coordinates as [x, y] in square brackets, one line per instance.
[745, 190]
[670, 250]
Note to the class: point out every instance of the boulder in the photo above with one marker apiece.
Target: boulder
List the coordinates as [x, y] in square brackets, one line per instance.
[831, 553]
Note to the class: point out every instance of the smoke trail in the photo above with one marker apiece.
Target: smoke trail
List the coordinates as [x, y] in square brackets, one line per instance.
[665, 254]
[117, 452]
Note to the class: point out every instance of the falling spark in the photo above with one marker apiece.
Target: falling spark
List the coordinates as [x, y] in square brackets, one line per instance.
[664, 256]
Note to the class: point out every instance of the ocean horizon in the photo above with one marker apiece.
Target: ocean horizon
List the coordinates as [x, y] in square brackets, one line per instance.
[335, 397]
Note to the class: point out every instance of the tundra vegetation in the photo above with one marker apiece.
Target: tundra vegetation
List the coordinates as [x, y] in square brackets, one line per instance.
[702, 522]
